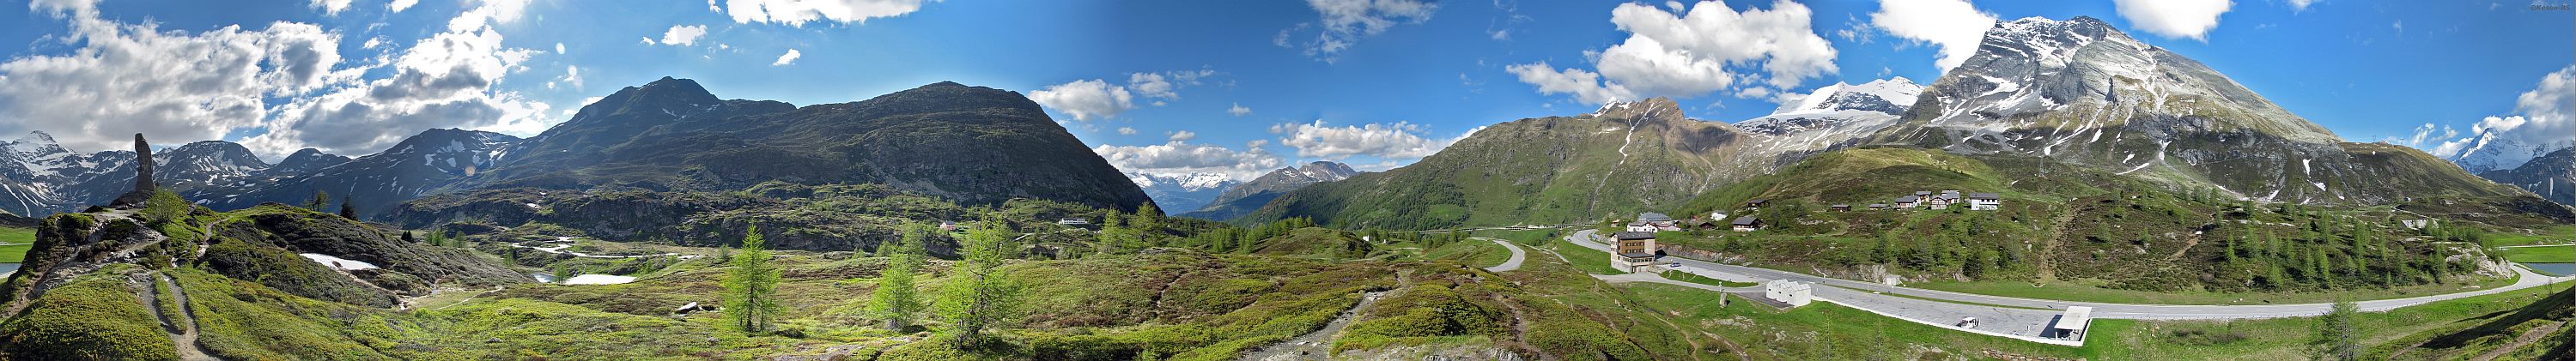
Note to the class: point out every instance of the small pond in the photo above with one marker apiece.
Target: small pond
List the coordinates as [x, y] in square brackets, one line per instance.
[7, 268]
[2553, 269]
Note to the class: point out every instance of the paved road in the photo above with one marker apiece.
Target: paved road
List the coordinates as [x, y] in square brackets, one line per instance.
[1585, 238]
[1512, 264]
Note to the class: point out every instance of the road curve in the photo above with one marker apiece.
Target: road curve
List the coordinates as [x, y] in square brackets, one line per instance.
[1511, 264]
[2528, 279]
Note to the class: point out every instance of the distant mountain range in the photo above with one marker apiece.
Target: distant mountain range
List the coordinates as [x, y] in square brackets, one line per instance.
[1243, 198]
[2074, 92]
[1182, 192]
[971, 145]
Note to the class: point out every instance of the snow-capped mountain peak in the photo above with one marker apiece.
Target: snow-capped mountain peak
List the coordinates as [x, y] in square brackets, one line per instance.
[1892, 96]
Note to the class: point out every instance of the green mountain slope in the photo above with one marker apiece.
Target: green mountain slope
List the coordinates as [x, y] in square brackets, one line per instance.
[1627, 158]
[974, 145]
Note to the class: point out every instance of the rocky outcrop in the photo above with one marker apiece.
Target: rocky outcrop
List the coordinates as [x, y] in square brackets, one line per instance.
[143, 186]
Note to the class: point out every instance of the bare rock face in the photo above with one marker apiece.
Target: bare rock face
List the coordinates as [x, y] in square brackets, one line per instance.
[143, 186]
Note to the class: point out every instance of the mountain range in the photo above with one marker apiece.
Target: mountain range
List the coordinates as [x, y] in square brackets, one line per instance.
[2075, 92]
[972, 145]
[1183, 191]
[1239, 199]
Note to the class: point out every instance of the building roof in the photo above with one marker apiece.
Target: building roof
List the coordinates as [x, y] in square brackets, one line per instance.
[1653, 217]
[1908, 199]
[1758, 201]
[2075, 319]
[1746, 221]
[1633, 235]
[1985, 196]
[1878, 205]
[1922, 193]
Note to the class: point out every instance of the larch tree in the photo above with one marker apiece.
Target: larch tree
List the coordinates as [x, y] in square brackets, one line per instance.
[978, 295]
[751, 288]
[896, 300]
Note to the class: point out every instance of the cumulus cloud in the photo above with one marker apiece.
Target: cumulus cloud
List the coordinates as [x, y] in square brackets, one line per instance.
[400, 5]
[1179, 156]
[683, 34]
[172, 85]
[1400, 140]
[1345, 22]
[2174, 18]
[798, 12]
[788, 58]
[1953, 25]
[1086, 99]
[2542, 122]
[1184, 136]
[1126, 131]
[1705, 49]
[1099, 99]
[2301, 5]
[1238, 110]
[331, 7]
[1584, 85]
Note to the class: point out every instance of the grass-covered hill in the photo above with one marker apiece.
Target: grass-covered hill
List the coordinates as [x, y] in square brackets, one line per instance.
[1626, 158]
[2089, 229]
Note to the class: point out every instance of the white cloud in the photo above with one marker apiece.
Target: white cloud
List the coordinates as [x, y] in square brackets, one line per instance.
[171, 85]
[1150, 85]
[788, 58]
[1085, 99]
[559, 49]
[683, 34]
[400, 5]
[1706, 49]
[1584, 85]
[1953, 25]
[1238, 110]
[1126, 131]
[1386, 141]
[2301, 5]
[2174, 18]
[331, 7]
[1184, 136]
[286, 84]
[798, 12]
[2542, 122]
[1345, 22]
[1181, 157]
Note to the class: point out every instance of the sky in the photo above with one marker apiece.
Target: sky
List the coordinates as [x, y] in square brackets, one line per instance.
[1232, 88]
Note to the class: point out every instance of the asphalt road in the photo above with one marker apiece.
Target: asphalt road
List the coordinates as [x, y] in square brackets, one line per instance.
[1861, 291]
[1511, 264]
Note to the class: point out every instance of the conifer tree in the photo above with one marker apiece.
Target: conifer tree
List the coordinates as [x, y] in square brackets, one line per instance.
[896, 300]
[978, 295]
[751, 288]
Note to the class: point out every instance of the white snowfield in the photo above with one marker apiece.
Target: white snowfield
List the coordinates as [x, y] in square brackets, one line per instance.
[343, 264]
[598, 279]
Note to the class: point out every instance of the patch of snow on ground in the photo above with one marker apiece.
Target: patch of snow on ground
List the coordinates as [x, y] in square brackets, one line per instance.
[598, 279]
[337, 262]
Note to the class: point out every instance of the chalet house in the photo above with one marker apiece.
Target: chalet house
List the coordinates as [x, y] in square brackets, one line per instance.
[1985, 201]
[1877, 206]
[1756, 204]
[1840, 207]
[1651, 222]
[1747, 224]
[1908, 201]
[1697, 223]
[1942, 201]
[1633, 251]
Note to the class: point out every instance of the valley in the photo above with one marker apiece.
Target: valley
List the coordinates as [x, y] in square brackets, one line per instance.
[2066, 192]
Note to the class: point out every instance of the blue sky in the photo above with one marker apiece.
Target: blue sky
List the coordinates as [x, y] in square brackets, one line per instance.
[1225, 87]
